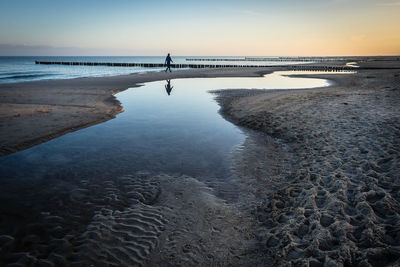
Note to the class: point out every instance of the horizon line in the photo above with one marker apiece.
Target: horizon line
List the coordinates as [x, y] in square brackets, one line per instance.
[310, 56]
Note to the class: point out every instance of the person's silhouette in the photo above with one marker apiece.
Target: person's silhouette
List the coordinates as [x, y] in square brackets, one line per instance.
[168, 61]
[168, 87]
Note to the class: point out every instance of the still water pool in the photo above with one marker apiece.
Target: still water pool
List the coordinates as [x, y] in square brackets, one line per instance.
[167, 126]
[53, 190]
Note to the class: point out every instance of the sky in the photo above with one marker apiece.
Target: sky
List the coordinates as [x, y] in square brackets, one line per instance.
[200, 28]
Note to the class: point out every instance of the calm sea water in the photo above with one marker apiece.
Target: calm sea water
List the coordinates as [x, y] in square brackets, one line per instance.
[24, 69]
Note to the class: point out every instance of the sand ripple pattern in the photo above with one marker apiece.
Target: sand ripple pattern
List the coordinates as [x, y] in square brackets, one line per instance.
[134, 220]
[124, 237]
[111, 222]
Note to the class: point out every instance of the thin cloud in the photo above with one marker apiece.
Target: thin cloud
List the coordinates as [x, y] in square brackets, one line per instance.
[247, 12]
[251, 12]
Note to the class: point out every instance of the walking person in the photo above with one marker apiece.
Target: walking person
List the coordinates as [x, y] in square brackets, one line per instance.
[168, 61]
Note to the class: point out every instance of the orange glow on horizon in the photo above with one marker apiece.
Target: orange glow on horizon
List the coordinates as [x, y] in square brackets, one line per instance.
[230, 28]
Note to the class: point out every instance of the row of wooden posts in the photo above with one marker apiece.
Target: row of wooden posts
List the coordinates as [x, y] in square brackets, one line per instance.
[277, 59]
[299, 59]
[160, 65]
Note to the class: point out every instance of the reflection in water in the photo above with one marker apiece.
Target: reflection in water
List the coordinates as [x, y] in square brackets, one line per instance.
[168, 87]
[68, 176]
[151, 129]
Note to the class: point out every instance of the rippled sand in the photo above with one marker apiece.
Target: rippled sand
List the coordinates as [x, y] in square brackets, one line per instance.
[316, 183]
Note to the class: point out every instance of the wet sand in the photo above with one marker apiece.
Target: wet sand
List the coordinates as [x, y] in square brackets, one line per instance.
[327, 172]
[316, 181]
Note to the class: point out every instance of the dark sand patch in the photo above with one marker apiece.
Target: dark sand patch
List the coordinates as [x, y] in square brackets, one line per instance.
[139, 219]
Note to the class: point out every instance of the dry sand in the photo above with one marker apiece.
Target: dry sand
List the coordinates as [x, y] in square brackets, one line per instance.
[317, 183]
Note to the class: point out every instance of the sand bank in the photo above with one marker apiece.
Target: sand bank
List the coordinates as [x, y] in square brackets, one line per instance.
[327, 171]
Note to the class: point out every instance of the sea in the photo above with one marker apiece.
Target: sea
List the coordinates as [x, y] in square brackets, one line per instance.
[23, 68]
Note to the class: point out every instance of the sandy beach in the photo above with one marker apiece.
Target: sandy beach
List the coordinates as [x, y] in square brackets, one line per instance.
[317, 179]
[330, 194]
[35, 112]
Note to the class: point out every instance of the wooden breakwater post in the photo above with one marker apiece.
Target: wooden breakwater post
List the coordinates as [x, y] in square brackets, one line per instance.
[201, 66]
[275, 59]
[144, 65]
[110, 64]
[322, 68]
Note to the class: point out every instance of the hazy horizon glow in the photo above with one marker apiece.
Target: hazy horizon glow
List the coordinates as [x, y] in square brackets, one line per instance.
[236, 28]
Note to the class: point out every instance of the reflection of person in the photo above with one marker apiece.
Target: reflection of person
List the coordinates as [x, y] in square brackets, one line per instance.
[168, 61]
[168, 87]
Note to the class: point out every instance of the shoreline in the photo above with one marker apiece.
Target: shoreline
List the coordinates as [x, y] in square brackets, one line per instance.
[316, 182]
[35, 112]
[38, 111]
[320, 182]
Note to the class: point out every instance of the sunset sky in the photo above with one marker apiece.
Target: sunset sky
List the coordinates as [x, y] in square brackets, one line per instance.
[227, 27]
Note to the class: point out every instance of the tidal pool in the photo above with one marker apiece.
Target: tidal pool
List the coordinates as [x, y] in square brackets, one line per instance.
[167, 126]
[53, 190]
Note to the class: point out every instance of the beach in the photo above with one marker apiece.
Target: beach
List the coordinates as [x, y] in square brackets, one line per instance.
[316, 179]
[34, 112]
[331, 195]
